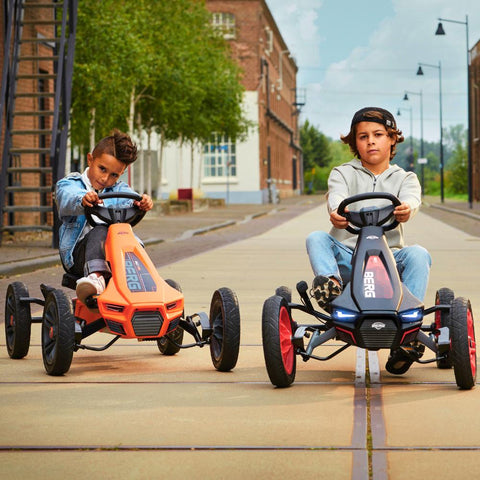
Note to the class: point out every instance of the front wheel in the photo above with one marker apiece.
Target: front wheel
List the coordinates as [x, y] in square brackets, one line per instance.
[464, 352]
[168, 345]
[58, 333]
[444, 296]
[225, 323]
[278, 348]
[18, 321]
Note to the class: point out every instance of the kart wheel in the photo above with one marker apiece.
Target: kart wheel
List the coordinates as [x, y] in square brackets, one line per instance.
[18, 321]
[164, 344]
[225, 323]
[285, 293]
[278, 349]
[464, 356]
[58, 333]
[442, 319]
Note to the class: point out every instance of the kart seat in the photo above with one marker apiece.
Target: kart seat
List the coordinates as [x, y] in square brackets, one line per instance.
[69, 280]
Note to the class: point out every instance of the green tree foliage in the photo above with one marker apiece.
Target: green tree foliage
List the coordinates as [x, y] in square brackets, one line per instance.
[315, 146]
[165, 56]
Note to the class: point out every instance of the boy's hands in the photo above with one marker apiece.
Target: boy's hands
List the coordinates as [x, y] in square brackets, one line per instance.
[402, 212]
[338, 221]
[145, 204]
[90, 199]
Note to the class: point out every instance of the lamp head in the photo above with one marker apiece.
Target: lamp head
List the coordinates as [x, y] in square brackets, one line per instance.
[419, 71]
[405, 97]
[440, 30]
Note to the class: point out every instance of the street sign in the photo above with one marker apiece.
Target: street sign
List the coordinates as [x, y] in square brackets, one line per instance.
[422, 161]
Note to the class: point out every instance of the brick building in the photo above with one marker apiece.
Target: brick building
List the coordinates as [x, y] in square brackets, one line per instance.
[268, 165]
[475, 120]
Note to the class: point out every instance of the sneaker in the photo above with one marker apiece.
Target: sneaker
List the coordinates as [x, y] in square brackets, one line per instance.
[324, 290]
[88, 286]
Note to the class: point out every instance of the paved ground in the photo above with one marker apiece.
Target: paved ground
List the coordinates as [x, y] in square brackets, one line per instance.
[132, 413]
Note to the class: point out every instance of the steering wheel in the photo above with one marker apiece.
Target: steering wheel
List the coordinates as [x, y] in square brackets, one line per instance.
[111, 215]
[369, 216]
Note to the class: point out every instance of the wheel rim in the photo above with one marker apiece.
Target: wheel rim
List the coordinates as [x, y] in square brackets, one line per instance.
[10, 324]
[286, 346]
[49, 335]
[217, 335]
[472, 347]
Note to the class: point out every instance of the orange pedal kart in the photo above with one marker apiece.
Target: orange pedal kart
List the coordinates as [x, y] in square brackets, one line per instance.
[137, 303]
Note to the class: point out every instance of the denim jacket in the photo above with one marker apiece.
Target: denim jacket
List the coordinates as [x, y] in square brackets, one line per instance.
[69, 192]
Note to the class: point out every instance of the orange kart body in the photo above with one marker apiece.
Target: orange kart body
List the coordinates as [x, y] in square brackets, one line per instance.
[137, 302]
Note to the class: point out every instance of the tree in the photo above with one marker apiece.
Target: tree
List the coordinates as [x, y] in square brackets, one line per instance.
[160, 63]
[315, 146]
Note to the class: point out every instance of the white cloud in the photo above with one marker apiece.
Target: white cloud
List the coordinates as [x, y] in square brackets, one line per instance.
[378, 67]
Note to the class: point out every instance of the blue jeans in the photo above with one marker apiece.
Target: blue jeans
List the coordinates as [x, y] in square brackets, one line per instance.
[331, 258]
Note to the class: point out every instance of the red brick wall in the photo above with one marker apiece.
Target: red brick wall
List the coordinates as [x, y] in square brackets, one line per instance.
[253, 20]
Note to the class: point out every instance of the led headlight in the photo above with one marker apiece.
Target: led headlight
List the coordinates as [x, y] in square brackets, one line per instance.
[343, 315]
[414, 315]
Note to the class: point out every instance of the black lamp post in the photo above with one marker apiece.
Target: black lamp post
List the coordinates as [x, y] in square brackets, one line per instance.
[422, 153]
[441, 31]
[399, 112]
[420, 72]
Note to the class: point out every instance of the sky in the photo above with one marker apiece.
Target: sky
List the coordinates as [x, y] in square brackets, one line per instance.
[353, 54]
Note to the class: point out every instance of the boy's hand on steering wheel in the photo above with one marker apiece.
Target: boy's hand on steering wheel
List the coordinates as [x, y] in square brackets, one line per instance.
[90, 199]
[402, 212]
[338, 221]
[145, 204]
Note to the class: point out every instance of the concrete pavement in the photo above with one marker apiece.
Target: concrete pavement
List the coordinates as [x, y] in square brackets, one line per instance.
[131, 413]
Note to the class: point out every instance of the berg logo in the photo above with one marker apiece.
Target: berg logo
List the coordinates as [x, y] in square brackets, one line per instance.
[137, 276]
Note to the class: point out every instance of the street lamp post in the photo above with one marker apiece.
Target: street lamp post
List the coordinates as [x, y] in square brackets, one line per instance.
[422, 152]
[409, 109]
[405, 97]
[420, 72]
[441, 31]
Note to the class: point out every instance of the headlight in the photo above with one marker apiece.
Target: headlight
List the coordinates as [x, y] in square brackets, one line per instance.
[412, 315]
[343, 315]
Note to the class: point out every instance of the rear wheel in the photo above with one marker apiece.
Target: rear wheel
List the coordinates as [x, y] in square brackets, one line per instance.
[225, 323]
[285, 293]
[464, 356]
[168, 345]
[58, 333]
[18, 321]
[444, 296]
[278, 348]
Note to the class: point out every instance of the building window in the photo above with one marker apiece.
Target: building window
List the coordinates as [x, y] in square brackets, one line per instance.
[225, 23]
[219, 153]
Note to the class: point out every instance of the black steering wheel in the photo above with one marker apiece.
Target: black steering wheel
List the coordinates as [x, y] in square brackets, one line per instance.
[369, 216]
[111, 215]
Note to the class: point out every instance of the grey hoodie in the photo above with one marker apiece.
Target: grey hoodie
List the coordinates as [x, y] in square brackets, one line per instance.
[352, 178]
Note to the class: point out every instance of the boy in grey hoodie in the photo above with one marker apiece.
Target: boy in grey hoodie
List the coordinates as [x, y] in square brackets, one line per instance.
[372, 139]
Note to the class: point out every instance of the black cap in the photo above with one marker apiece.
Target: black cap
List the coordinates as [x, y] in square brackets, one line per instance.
[387, 118]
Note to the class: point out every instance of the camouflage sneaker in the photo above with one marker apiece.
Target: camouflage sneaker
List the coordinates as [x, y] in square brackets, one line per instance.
[324, 290]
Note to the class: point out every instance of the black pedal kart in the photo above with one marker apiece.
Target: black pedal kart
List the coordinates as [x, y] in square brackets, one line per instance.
[375, 311]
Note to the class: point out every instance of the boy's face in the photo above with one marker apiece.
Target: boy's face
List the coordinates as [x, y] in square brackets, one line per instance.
[104, 170]
[374, 146]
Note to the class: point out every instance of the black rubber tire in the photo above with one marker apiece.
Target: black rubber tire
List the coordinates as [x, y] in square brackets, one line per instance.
[225, 323]
[278, 349]
[164, 344]
[18, 321]
[464, 356]
[442, 319]
[58, 333]
[397, 357]
[285, 293]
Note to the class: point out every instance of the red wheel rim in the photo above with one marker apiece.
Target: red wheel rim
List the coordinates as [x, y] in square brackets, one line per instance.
[286, 346]
[472, 347]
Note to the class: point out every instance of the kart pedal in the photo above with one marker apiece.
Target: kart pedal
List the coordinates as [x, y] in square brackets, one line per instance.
[302, 289]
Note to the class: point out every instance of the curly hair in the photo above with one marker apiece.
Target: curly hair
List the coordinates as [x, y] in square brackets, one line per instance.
[119, 145]
[377, 117]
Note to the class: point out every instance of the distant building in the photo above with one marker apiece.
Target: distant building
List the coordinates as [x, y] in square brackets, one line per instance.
[268, 165]
[475, 120]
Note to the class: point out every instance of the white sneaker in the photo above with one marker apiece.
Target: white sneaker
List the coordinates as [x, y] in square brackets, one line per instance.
[91, 285]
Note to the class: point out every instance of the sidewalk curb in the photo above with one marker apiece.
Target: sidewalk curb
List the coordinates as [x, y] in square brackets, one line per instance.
[474, 216]
[32, 264]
